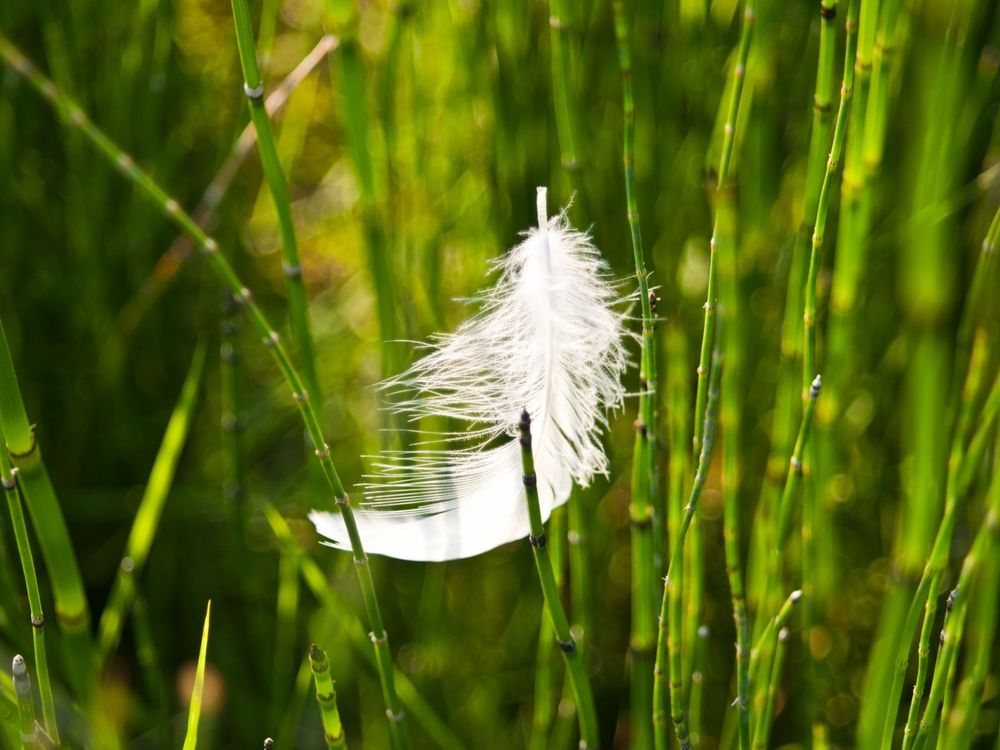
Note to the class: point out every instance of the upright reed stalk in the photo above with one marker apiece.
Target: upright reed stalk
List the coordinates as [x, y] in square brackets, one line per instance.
[72, 611]
[8, 476]
[669, 632]
[730, 402]
[642, 510]
[326, 697]
[576, 668]
[298, 303]
[75, 117]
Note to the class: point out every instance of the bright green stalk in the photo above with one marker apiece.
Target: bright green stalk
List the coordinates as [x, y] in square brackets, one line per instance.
[789, 395]
[923, 657]
[561, 89]
[298, 304]
[959, 723]
[147, 518]
[764, 640]
[959, 478]
[725, 159]
[987, 537]
[642, 509]
[8, 475]
[324, 591]
[762, 730]
[220, 266]
[730, 397]
[194, 711]
[668, 641]
[326, 697]
[576, 669]
[546, 677]
[29, 728]
[72, 612]
[699, 664]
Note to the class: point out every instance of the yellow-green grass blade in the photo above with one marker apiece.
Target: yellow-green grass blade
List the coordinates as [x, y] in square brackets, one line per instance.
[194, 712]
[150, 508]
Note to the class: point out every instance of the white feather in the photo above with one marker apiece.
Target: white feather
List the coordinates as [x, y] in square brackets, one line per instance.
[547, 338]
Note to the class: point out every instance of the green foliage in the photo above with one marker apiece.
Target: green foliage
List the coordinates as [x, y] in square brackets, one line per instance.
[832, 525]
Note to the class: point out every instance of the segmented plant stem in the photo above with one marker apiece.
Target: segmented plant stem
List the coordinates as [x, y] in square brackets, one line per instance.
[326, 697]
[75, 117]
[669, 631]
[8, 477]
[576, 669]
[298, 303]
[762, 730]
[643, 511]
[21, 444]
[725, 160]
[25, 703]
[923, 657]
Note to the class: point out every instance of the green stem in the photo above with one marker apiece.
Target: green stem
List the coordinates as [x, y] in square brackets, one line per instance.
[25, 453]
[298, 304]
[8, 476]
[764, 721]
[326, 697]
[668, 639]
[643, 508]
[923, 657]
[576, 669]
[221, 267]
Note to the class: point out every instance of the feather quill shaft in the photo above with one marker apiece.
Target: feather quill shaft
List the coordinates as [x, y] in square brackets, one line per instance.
[547, 337]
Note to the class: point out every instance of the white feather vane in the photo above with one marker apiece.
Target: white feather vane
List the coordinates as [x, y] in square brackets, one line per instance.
[547, 338]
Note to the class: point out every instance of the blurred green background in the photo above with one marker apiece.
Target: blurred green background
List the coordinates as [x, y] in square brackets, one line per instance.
[459, 127]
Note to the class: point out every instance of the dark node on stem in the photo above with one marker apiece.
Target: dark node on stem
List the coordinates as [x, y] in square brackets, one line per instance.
[814, 389]
[537, 541]
[291, 272]
[795, 596]
[379, 641]
[37, 621]
[31, 449]
[317, 655]
[268, 743]
[941, 637]
[950, 602]
[796, 465]
[323, 454]
[642, 649]
[271, 340]
[827, 11]
[209, 247]
[10, 484]
[653, 300]
[301, 397]
[530, 480]
[341, 499]
[525, 424]
[641, 428]
[254, 94]
[823, 108]
[641, 522]
[396, 717]
[568, 647]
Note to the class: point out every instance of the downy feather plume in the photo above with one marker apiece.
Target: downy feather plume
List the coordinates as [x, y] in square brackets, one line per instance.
[547, 338]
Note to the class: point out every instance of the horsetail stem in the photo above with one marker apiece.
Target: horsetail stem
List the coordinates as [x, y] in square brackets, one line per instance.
[643, 510]
[21, 444]
[987, 537]
[27, 725]
[8, 476]
[762, 730]
[75, 117]
[725, 159]
[730, 397]
[298, 304]
[923, 657]
[576, 669]
[669, 645]
[326, 697]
